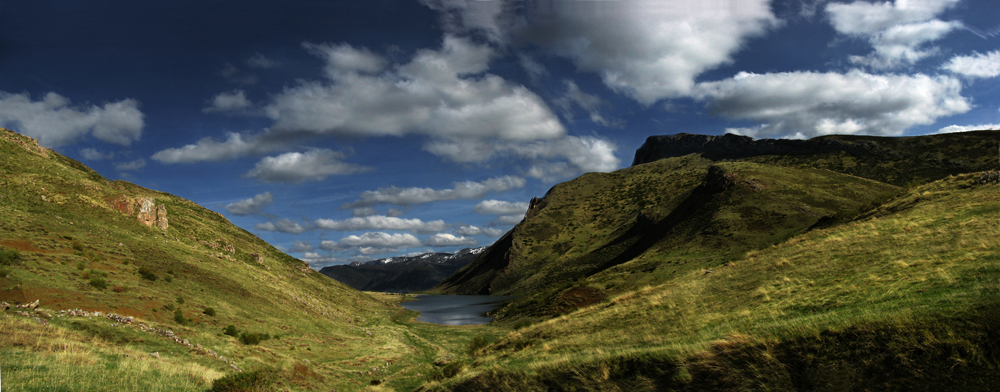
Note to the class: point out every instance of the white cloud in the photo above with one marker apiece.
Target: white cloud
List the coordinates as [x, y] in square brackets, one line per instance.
[469, 230]
[549, 160]
[498, 207]
[343, 59]
[135, 165]
[300, 246]
[91, 154]
[235, 75]
[363, 212]
[443, 92]
[283, 226]
[445, 239]
[260, 61]
[896, 30]
[459, 190]
[591, 104]
[229, 102]
[312, 165]
[646, 49]
[865, 18]
[381, 240]
[979, 65]
[806, 104]
[510, 219]
[235, 146]
[250, 206]
[55, 122]
[381, 222]
[967, 128]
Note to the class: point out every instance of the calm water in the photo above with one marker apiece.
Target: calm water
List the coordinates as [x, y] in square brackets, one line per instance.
[454, 309]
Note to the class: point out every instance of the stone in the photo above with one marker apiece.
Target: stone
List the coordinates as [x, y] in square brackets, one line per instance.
[161, 218]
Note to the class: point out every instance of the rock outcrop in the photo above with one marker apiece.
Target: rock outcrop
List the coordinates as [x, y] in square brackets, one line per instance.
[730, 146]
[143, 208]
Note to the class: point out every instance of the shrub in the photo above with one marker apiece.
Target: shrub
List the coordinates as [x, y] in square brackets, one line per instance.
[147, 274]
[231, 330]
[9, 257]
[476, 344]
[257, 380]
[80, 265]
[179, 318]
[253, 338]
[209, 312]
[118, 289]
[77, 246]
[4, 272]
[180, 300]
[99, 283]
[170, 307]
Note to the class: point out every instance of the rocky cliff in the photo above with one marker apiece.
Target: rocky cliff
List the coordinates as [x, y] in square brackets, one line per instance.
[730, 146]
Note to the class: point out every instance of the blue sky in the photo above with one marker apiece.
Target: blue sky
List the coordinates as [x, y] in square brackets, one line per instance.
[352, 130]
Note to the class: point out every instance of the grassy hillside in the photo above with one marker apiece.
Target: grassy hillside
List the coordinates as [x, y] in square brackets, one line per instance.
[699, 211]
[69, 242]
[907, 297]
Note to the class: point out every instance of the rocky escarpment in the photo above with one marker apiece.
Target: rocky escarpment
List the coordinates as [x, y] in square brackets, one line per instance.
[730, 146]
[143, 208]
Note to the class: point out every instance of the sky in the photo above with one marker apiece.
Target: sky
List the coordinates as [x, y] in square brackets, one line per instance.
[344, 131]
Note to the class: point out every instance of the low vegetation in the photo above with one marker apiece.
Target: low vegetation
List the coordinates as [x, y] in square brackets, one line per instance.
[770, 273]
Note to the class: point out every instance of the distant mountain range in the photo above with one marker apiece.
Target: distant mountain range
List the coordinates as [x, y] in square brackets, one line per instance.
[402, 274]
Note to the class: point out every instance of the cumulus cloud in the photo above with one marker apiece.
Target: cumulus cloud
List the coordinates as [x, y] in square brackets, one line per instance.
[296, 167]
[56, 122]
[283, 226]
[261, 62]
[459, 190]
[508, 213]
[646, 49]
[91, 154]
[549, 160]
[301, 246]
[253, 205]
[445, 239]
[967, 128]
[382, 222]
[135, 165]
[806, 104]
[979, 65]
[228, 102]
[380, 239]
[498, 207]
[469, 230]
[235, 146]
[445, 93]
[897, 31]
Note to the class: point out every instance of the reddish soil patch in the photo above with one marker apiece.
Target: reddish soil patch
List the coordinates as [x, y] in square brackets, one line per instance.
[25, 246]
[579, 297]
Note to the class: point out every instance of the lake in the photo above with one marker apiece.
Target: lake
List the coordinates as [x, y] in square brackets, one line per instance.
[455, 309]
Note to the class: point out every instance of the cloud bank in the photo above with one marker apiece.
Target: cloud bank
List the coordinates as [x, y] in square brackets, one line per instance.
[56, 122]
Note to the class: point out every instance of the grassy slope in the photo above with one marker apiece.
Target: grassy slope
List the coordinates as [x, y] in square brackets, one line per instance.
[907, 298]
[328, 332]
[604, 234]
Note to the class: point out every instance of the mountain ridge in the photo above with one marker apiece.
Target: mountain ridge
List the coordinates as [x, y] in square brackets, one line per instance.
[401, 274]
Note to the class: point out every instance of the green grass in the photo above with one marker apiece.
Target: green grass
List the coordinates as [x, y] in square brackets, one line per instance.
[73, 250]
[897, 297]
[819, 280]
